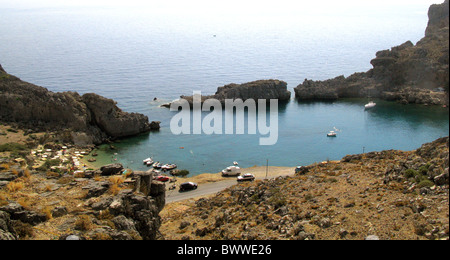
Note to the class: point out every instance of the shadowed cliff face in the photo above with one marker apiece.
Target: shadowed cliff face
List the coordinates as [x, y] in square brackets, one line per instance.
[91, 119]
[256, 90]
[408, 73]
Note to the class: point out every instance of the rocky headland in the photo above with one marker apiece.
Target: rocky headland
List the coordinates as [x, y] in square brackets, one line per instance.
[407, 73]
[83, 120]
[256, 90]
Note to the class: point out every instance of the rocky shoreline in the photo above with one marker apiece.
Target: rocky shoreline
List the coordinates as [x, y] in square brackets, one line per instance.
[407, 73]
[81, 120]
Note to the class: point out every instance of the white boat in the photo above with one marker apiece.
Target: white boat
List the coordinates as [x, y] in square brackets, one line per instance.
[332, 134]
[168, 167]
[157, 165]
[148, 161]
[235, 163]
[370, 105]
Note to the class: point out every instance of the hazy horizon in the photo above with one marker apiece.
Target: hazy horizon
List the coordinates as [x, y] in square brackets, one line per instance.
[228, 7]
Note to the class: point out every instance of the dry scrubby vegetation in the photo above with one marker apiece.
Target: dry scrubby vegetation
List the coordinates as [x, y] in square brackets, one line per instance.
[47, 194]
[392, 195]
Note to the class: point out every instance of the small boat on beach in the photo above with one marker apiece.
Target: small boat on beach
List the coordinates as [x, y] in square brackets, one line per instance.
[370, 105]
[332, 134]
[157, 165]
[149, 161]
[168, 167]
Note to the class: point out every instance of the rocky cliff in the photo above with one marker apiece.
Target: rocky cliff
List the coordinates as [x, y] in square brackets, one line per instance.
[91, 119]
[408, 73]
[261, 89]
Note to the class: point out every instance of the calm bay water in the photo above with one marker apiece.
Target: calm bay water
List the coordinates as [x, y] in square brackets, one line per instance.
[302, 137]
[133, 55]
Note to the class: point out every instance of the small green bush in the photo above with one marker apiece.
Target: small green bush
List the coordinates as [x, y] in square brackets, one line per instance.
[4, 76]
[12, 147]
[419, 178]
[48, 164]
[183, 173]
[410, 173]
[277, 199]
[425, 183]
[424, 169]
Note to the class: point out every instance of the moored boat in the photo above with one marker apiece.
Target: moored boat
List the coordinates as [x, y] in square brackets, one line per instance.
[332, 134]
[370, 105]
[168, 167]
[149, 161]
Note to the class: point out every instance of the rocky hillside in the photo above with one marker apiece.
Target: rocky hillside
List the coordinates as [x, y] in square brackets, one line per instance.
[108, 204]
[261, 89]
[90, 119]
[380, 195]
[407, 73]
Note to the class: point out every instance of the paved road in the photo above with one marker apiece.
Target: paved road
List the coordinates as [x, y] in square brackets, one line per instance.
[203, 189]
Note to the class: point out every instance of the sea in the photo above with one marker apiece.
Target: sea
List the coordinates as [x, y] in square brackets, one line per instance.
[134, 55]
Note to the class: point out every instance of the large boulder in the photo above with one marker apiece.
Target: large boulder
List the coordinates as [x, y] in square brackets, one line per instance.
[111, 169]
[18, 212]
[140, 211]
[7, 231]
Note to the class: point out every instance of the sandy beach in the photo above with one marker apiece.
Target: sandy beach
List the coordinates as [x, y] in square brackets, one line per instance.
[258, 171]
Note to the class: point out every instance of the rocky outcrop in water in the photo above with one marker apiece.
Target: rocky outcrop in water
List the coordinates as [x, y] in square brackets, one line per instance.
[261, 89]
[407, 73]
[90, 119]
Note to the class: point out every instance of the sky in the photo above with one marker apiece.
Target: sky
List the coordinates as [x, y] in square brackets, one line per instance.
[220, 5]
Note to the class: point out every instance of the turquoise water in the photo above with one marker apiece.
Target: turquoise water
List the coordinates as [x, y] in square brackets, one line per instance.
[135, 54]
[302, 137]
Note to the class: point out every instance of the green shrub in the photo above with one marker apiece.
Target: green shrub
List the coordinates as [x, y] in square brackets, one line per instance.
[425, 183]
[277, 199]
[48, 164]
[410, 173]
[419, 178]
[12, 147]
[183, 173]
[424, 169]
[4, 76]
